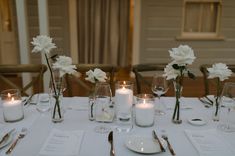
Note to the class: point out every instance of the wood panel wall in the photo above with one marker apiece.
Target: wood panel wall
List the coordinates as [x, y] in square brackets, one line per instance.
[161, 22]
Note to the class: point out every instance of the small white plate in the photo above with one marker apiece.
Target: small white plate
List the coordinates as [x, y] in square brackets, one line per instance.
[145, 145]
[6, 142]
[197, 121]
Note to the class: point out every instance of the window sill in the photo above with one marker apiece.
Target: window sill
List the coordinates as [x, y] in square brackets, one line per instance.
[200, 38]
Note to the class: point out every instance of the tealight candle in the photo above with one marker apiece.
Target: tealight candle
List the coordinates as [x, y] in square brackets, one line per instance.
[12, 105]
[144, 110]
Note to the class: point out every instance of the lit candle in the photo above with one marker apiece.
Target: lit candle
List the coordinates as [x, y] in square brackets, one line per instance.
[12, 109]
[144, 114]
[123, 99]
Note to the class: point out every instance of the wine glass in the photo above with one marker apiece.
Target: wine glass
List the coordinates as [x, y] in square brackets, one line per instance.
[103, 106]
[159, 87]
[227, 99]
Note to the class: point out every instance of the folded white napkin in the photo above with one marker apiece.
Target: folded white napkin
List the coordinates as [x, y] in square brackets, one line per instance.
[209, 143]
[62, 143]
[170, 103]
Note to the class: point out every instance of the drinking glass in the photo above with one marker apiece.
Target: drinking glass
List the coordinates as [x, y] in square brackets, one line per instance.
[159, 87]
[43, 103]
[103, 106]
[227, 99]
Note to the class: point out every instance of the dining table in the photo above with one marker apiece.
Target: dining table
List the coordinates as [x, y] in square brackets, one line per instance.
[40, 126]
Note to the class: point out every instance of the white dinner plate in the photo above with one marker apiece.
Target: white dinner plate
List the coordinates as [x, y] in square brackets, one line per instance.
[145, 145]
[6, 142]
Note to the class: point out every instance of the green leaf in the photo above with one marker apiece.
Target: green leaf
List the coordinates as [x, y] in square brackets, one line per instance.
[175, 66]
[191, 75]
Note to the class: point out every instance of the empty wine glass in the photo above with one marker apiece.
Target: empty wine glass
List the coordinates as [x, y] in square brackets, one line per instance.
[159, 87]
[227, 100]
[103, 106]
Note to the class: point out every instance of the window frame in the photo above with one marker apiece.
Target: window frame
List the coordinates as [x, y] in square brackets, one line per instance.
[201, 35]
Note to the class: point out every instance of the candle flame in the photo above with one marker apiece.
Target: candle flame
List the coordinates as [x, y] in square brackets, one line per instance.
[124, 82]
[144, 101]
[12, 99]
[8, 95]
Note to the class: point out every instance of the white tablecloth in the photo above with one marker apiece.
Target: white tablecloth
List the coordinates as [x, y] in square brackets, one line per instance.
[95, 144]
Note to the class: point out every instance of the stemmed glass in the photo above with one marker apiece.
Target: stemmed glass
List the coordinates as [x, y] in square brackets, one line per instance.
[159, 87]
[227, 100]
[103, 106]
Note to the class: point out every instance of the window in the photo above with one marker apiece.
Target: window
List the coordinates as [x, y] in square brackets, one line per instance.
[201, 19]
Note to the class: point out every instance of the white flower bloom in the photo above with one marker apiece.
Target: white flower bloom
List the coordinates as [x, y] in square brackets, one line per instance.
[64, 65]
[43, 44]
[219, 70]
[170, 72]
[182, 55]
[96, 75]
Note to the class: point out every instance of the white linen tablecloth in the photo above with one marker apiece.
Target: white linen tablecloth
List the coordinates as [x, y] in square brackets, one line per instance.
[95, 144]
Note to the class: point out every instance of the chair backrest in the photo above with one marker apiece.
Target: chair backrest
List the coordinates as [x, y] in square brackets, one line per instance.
[9, 72]
[141, 79]
[78, 86]
[208, 85]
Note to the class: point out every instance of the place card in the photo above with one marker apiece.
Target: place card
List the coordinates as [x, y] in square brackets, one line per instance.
[62, 143]
[209, 143]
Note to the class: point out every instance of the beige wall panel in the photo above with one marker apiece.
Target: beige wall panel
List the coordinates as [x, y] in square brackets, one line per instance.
[164, 22]
[228, 22]
[161, 24]
[161, 34]
[164, 12]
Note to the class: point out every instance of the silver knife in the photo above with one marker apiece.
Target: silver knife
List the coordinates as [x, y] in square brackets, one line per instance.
[6, 136]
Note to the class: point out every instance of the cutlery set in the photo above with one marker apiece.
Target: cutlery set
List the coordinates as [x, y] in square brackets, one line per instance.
[156, 138]
[7, 136]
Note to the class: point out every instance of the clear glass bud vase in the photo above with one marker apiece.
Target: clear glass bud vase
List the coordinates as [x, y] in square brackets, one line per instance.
[57, 88]
[176, 114]
[57, 113]
[216, 109]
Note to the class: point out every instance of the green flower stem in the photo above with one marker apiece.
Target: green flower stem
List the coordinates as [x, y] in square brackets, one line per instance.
[217, 96]
[178, 89]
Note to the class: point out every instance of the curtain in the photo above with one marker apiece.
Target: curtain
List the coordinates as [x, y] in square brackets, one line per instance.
[103, 27]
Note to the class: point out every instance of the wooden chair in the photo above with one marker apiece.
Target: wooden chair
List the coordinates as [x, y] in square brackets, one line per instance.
[142, 80]
[209, 85]
[78, 86]
[10, 75]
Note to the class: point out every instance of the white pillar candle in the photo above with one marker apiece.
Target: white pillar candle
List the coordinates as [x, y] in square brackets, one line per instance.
[144, 113]
[12, 110]
[123, 99]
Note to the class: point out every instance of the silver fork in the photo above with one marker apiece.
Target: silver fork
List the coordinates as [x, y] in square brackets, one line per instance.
[168, 144]
[20, 136]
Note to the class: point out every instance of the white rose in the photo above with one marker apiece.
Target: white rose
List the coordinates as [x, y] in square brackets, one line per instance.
[64, 64]
[219, 70]
[43, 44]
[182, 55]
[96, 75]
[170, 72]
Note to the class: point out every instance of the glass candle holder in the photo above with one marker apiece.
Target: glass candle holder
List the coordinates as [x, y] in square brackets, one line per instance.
[123, 105]
[12, 105]
[144, 110]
